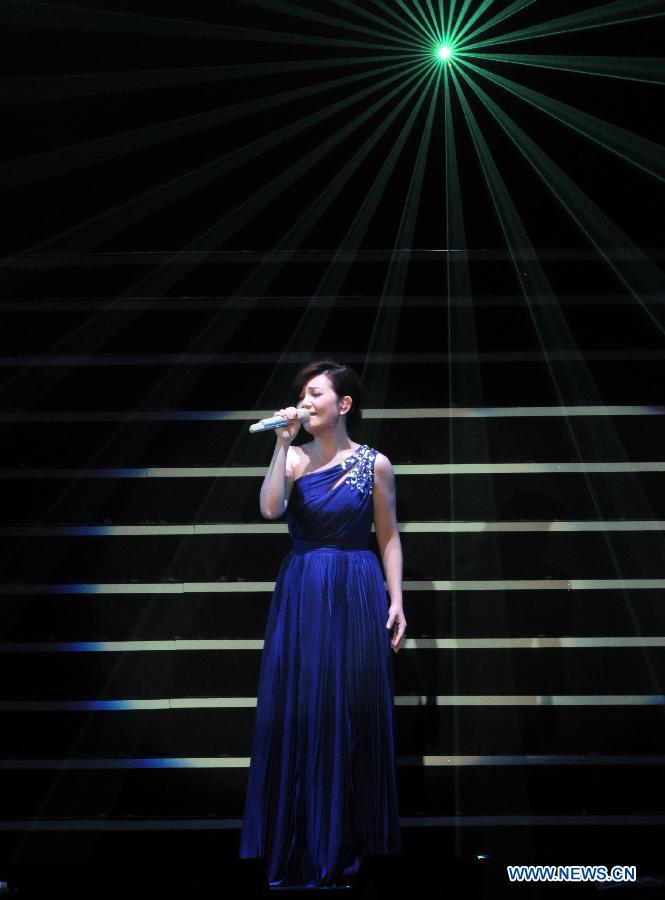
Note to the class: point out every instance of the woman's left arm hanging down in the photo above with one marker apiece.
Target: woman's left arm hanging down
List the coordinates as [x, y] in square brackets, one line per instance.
[390, 546]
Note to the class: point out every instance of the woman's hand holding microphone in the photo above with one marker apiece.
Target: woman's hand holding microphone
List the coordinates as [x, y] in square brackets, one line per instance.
[286, 434]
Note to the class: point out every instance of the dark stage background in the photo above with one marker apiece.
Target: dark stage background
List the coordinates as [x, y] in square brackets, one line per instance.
[199, 198]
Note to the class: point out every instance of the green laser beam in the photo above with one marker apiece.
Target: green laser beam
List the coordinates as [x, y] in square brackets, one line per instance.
[414, 26]
[452, 19]
[463, 382]
[360, 222]
[638, 276]
[430, 22]
[32, 13]
[311, 324]
[635, 68]
[616, 13]
[314, 319]
[455, 230]
[460, 19]
[58, 162]
[506, 13]
[631, 148]
[442, 17]
[386, 322]
[421, 22]
[110, 222]
[462, 29]
[16, 91]
[361, 10]
[256, 284]
[549, 323]
[435, 22]
[186, 380]
[293, 9]
[248, 209]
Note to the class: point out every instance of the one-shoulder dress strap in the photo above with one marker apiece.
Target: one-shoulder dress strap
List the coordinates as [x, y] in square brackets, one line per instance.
[361, 476]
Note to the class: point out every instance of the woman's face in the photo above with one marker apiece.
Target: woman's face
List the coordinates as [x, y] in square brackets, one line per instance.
[319, 397]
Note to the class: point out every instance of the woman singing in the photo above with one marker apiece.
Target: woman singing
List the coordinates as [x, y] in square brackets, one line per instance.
[321, 792]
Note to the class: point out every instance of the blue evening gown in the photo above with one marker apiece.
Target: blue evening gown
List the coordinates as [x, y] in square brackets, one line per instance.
[321, 792]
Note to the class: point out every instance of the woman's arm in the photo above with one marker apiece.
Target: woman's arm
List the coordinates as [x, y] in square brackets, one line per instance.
[278, 480]
[390, 546]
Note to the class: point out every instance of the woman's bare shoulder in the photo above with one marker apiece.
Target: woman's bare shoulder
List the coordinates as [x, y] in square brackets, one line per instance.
[384, 476]
[382, 463]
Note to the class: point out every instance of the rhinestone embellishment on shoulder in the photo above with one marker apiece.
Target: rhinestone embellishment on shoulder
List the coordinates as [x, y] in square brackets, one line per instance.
[361, 477]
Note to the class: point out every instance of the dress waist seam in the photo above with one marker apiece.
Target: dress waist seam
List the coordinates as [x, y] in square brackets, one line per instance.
[312, 546]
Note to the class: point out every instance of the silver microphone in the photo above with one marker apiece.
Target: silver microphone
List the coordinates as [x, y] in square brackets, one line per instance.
[277, 422]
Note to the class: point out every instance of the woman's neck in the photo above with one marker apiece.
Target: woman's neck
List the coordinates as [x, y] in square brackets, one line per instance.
[327, 446]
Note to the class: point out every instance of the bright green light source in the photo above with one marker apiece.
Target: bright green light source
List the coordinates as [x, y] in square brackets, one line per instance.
[444, 52]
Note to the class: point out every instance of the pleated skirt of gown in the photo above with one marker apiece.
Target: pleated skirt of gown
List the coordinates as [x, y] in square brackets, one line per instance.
[322, 790]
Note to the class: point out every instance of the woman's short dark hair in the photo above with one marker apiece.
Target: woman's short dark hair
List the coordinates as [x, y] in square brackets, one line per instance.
[344, 380]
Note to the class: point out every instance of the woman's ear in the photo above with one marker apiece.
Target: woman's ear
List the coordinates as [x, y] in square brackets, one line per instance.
[345, 404]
